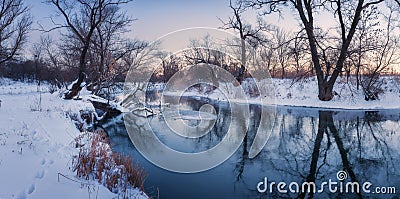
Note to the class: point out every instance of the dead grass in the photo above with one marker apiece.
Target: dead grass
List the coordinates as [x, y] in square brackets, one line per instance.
[97, 161]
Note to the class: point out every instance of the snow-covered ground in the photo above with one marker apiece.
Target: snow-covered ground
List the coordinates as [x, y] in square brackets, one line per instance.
[304, 92]
[37, 134]
[37, 145]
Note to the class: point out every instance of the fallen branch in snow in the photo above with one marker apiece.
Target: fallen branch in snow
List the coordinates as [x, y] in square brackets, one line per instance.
[81, 182]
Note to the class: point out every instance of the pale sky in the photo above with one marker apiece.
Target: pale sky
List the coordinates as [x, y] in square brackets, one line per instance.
[157, 17]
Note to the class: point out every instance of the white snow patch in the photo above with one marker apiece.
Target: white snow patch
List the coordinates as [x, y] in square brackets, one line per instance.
[304, 93]
[36, 146]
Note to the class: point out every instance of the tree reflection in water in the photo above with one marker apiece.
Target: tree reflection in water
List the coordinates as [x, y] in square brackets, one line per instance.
[306, 145]
[355, 143]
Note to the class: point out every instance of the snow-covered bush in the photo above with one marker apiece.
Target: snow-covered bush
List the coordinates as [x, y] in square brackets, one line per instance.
[97, 161]
[83, 120]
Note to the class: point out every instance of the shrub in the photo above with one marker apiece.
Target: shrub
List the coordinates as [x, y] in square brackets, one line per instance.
[97, 161]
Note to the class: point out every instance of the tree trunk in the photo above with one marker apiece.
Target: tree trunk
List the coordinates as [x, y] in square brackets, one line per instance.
[325, 87]
[243, 65]
[313, 172]
[328, 118]
[77, 86]
[325, 91]
[358, 77]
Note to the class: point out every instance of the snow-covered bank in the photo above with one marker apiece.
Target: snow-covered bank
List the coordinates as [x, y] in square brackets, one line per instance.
[37, 146]
[304, 92]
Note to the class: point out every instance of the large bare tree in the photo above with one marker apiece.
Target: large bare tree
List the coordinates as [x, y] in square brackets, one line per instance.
[15, 23]
[82, 18]
[347, 13]
[252, 35]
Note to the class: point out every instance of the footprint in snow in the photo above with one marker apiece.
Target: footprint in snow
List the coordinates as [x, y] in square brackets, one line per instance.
[40, 174]
[21, 195]
[31, 189]
[43, 161]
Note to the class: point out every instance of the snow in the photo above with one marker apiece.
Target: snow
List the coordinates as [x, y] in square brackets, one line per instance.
[37, 134]
[190, 115]
[74, 82]
[304, 92]
[36, 147]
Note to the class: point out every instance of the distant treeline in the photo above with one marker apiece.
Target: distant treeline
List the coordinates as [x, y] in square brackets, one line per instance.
[31, 70]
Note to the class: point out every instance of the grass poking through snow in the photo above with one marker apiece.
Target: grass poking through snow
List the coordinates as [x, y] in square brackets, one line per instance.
[97, 161]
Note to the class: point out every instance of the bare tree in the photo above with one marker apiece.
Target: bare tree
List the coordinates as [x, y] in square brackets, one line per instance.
[108, 45]
[15, 23]
[117, 66]
[306, 10]
[266, 59]
[82, 19]
[206, 51]
[247, 33]
[49, 56]
[169, 64]
[384, 56]
[364, 43]
[282, 49]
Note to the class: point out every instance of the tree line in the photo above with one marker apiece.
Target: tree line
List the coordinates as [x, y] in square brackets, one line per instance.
[363, 42]
[94, 51]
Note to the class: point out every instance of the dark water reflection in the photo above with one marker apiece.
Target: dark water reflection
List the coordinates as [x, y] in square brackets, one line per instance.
[306, 145]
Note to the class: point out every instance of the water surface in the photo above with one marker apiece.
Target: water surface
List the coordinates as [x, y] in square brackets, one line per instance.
[306, 144]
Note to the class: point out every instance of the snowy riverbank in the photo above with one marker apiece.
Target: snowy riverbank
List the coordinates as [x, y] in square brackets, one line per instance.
[304, 92]
[37, 134]
[37, 145]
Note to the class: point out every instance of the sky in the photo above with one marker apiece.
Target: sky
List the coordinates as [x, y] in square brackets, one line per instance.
[157, 17]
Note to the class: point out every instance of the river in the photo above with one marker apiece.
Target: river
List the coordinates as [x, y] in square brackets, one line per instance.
[305, 145]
